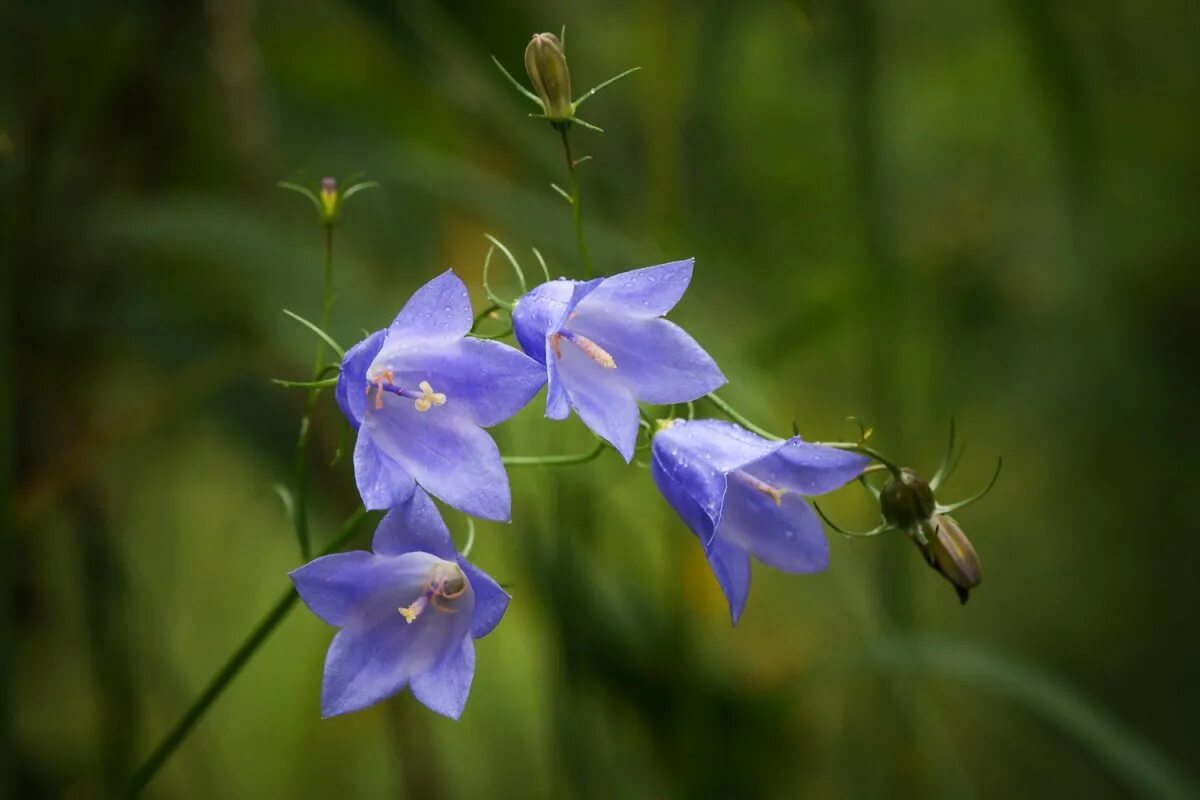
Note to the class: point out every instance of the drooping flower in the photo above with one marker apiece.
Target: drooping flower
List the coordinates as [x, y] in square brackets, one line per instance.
[420, 393]
[606, 347]
[409, 614]
[743, 495]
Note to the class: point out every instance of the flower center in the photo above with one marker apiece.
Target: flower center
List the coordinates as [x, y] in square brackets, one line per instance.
[761, 486]
[590, 349]
[385, 382]
[445, 584]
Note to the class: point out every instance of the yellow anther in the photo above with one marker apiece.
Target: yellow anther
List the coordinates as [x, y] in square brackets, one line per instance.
[428, 398]
[663, 424]
[762, 487]
[412, 611]
[595, 352]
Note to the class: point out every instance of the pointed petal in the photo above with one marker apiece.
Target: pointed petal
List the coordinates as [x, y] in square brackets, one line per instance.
[382, 483]
[490, 600]
[449, 455]
[438, 311]
[808, 469]
[788, 536]
[488, 381]
[659, 361]
[600, 398]
[415, 526]
[352, 380]
[445, 688]
[731, 566]
[646, 292]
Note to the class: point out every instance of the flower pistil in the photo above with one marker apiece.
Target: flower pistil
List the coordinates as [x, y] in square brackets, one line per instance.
[590, 349]
[446, 584]
[385, 382]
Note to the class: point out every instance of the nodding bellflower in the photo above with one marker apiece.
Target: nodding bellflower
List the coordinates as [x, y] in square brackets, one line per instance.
[409, 614]
[742, 495]
[420, 393]
[606, 347]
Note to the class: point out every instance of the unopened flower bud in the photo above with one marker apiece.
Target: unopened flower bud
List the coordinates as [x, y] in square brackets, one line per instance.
[906, 500]
[547, 67]
[329, 200]
[950, 552]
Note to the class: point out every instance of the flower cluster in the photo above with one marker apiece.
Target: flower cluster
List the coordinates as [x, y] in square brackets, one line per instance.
[420, 394]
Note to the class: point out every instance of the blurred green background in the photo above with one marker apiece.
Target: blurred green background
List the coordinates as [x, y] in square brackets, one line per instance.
[904, 211]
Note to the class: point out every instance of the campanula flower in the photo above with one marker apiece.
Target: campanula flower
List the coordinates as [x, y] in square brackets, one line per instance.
[409, 614]
[743, 495]
[420, 393]
[606, 347]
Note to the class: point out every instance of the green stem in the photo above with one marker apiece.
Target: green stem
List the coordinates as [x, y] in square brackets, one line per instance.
[554, 461]
[300, 517]
[737, 417]
[576, 211]
[176, 736]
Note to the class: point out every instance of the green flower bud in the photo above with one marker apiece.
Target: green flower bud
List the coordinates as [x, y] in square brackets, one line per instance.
[906, 500]
[329, 201]
[950, 552]
[547, 67]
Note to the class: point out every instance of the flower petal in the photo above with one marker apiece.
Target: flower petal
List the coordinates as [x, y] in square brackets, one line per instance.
[787, 536]
[490, 600]
[693, 488]
[646, 292]
[601, 399]
[438, 311]
[808, 469]
[340, 587]
[731, 566]
[449, 455]
[445, 687]
[415, 526]
[721, 444]
[352, 380]
[488, 381]
[659, 361]
[382, 483]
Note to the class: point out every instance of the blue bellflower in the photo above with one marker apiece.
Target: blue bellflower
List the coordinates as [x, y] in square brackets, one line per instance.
[606, 347]
[409, 614]
[420, 393]
[742, 495]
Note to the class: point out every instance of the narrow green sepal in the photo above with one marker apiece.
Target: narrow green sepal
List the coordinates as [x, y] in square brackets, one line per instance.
[337, 348]
[979, 496]
[608, 82]
[515, 83]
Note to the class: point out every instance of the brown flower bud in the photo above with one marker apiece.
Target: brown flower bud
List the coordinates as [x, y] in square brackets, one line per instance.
[950, 553]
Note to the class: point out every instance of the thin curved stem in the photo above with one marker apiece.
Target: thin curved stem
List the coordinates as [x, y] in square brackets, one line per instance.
[576, 211]
[554, 461]
[737, 417]
[176, 736]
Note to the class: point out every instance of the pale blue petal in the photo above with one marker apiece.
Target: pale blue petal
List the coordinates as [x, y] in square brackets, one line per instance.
[490, 600]
[721, 444]
[544, 310]
[415, 526]
[731, 566]
[445, 687]
[808, 469]
[691, 487]
[449, 455]
[558, 405]
[788, 536]
[646, 292]
[382, 482]
[438, 311]
[600, 398]
[656, 358]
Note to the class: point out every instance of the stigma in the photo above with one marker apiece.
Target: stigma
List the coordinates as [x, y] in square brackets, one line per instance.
[589, 348]
[384, 381]
[445, 584]
[762, 487]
